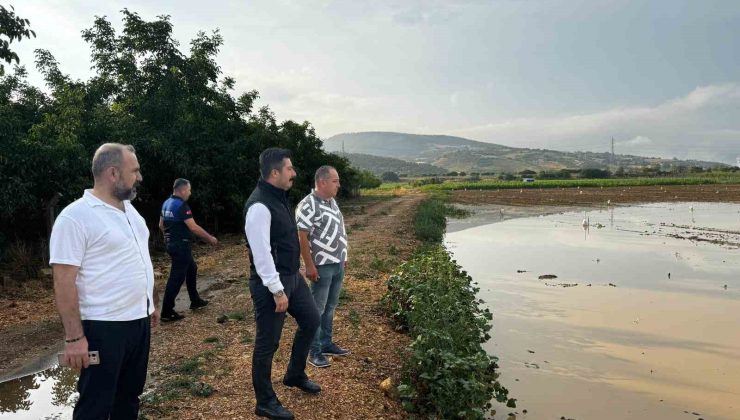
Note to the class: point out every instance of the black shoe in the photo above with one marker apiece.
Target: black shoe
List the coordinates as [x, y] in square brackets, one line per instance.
[305, 385]
[318, 360]
[172, 316]
[273, 410]
[198, 304]
[334, 350]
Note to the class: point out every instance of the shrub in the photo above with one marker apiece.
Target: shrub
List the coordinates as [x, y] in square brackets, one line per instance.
[447, 374]
[430, 222]
[426, 181]
[22, 257]
[369, 180]
[390, 177]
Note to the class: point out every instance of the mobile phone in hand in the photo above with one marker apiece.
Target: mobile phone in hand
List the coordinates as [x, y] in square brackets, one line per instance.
[92, 355]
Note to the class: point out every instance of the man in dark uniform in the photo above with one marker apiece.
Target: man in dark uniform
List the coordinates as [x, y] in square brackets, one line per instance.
[177, 223]
[275, 284]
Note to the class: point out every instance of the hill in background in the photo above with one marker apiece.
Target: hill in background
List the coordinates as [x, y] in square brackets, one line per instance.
[379, 164]
[461, 154]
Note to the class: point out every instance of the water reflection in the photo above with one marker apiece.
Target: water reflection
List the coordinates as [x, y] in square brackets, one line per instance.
[646, 328]
[47, 394]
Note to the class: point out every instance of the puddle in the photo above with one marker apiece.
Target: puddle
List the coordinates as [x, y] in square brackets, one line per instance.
[613, 336]
[50, 391]
[49, 394]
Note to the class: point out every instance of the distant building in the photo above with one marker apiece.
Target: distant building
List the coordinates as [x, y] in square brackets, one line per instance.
[738, 162]
[527, 179]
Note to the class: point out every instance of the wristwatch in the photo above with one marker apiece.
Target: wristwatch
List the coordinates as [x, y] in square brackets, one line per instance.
[279, 293]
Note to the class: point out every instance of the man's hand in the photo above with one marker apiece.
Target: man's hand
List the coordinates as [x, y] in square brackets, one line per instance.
[281, 301]
[154, 319]
[346, 264]
[213, 241]
[75, 354]
[312, 273]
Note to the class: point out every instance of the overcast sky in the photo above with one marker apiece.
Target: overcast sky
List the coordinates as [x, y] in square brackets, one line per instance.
[662, 77]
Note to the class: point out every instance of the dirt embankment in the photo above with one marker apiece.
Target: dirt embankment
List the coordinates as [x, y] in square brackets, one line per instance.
[599, 196]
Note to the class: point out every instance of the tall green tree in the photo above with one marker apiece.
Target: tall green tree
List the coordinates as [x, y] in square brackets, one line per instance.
[12, 28]
[173, 104]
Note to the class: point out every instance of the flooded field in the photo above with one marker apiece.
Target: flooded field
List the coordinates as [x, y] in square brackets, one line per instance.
[619, 313]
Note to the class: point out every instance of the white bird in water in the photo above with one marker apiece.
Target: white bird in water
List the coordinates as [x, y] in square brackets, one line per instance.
[691, 209]
[586, 221]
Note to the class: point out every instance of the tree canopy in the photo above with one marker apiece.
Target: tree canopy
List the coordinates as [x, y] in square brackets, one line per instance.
[14, 28]
[175, 107]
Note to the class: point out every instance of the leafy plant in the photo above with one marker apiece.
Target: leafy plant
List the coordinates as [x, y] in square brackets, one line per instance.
[447, 374]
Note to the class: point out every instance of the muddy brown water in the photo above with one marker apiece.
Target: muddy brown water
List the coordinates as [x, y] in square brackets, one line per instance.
[613, 336]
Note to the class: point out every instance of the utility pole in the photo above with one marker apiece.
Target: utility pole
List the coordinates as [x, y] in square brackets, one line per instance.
[614, 158]
[344, 154]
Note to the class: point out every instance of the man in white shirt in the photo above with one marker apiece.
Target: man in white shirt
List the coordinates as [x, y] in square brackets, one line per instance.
[275, 284]
[104, 287]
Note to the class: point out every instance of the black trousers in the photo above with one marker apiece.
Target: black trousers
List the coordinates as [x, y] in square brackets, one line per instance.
[112, 388]
[184, 269]
[270, 326]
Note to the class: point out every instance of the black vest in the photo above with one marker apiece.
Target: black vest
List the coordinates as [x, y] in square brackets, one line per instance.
[284, 245]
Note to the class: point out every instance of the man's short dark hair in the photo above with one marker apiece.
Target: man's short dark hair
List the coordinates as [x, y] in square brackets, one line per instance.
[323, 172]
[179, 183]
[272, 158]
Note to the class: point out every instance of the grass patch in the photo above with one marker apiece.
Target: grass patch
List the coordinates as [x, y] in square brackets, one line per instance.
[236, 316]
[201, 389]
[379, 264]
[179, 382]
[354, 318]
[246, 339]
[344, 296]
[211, 340]
[185, 381]
[174, 388]
[188, 367]
[719, 178]
[155, 398]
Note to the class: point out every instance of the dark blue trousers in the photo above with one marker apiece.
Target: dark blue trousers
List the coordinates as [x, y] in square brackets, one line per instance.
[184, 269]
[112, 388]
[270, 326]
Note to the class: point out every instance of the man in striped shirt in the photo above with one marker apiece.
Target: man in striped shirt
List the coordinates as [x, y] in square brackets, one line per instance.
[323, 242]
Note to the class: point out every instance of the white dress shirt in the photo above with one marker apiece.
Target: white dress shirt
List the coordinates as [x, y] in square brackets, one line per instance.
[111, 247]
[257, 228]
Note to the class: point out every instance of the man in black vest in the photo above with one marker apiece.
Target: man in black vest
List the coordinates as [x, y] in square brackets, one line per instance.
[275, 284]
